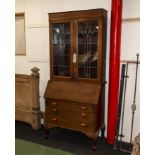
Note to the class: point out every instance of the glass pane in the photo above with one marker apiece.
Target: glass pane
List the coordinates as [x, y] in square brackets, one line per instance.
[87, 49]
[61, 49]
[61, 71]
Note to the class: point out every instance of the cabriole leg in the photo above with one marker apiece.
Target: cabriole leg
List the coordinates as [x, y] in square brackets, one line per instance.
[94, 144]
[46, 135]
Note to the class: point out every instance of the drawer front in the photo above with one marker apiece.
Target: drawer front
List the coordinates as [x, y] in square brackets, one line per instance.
[70, 115]
[72, 106]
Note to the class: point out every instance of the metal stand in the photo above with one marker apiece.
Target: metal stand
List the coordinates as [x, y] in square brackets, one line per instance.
[133, 107]
[121, 108]
[115, 146]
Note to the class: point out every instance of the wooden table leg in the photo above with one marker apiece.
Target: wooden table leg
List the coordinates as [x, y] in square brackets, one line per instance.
[94, 144]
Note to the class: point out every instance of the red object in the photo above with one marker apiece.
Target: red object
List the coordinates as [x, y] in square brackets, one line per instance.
[115, 44]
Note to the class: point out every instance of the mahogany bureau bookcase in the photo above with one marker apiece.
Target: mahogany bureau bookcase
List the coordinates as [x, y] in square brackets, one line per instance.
[74, 96]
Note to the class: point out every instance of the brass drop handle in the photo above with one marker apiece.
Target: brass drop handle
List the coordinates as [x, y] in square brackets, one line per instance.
[54, 110]
[55, 120]
[83, 115]
[83, 108]
[83, 125]
[54, 103]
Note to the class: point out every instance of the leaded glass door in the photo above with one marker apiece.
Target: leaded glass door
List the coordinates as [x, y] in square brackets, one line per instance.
[61, 50]
[76, 48]
[87, 50]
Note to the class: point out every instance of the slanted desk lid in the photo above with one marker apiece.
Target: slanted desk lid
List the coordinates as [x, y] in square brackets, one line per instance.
[73, 91]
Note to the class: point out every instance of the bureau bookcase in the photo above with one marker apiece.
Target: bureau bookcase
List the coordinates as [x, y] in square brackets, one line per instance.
[74, 96]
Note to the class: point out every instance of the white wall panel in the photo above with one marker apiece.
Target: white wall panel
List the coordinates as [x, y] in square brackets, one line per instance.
[69, 5]
[34, 13]
[21, 65]
[130, 44]
[35, 42]
[20, 5]
[131, 8]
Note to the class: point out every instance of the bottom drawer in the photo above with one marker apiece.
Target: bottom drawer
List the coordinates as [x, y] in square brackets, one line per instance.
[73, 124]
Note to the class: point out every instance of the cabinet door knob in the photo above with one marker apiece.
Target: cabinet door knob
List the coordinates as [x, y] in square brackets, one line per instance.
[83, 124]
[83, 114]
[83, 108]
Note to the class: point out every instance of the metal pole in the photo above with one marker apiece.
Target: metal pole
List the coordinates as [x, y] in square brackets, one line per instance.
[124, 98]
[115, 42]
[133, 107]
[121, 90]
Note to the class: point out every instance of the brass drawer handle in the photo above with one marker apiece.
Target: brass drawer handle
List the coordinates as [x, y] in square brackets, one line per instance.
[83, 124]
[54, 110]
[83, 108]
[54, 103]
[83, 115]
[54, 119]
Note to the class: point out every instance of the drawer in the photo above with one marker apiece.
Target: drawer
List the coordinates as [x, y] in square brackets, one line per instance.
[70, 110]
[71, 106]
[70, 115]
[74, 124]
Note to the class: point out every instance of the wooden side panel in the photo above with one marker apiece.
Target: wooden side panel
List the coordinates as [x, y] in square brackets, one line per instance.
[23, 92]
[27, 107]
[24, 116]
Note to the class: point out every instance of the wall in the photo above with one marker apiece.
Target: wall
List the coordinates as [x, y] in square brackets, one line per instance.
[37, 38]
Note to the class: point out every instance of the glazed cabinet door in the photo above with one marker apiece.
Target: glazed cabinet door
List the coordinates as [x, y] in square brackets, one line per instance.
[76, 49]
[88, 50]
[61, 49]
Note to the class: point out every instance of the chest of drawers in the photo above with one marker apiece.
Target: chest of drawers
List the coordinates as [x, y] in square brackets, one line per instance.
[70, 115]
[75, 106]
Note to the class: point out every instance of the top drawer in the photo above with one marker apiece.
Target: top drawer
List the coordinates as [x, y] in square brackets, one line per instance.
[69, 106]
